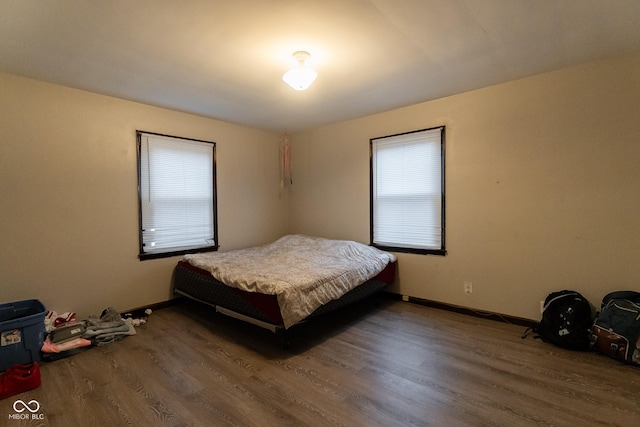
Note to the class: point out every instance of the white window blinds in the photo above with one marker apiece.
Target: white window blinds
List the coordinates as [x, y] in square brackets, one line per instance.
[407, 190]
[176, 193]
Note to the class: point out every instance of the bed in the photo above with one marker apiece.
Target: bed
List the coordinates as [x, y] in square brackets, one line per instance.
[287, 282]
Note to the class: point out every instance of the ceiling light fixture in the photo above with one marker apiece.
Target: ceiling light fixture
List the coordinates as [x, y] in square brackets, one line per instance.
[301, 77]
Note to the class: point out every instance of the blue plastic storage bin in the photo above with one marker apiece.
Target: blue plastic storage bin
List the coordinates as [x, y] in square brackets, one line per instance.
[21, 332]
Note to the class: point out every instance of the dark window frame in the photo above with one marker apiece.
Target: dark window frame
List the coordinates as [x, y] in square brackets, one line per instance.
[171, 252]
[423, 251]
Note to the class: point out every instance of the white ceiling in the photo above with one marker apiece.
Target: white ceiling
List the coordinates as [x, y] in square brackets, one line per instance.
[225, 58]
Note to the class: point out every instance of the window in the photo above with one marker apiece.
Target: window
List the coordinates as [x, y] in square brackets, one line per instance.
[177, 195]
[407, 192]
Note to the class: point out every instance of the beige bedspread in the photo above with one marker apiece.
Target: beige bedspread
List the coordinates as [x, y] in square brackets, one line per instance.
[303, 272]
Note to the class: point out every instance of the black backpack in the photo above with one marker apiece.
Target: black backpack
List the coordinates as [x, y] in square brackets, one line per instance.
[566, 320]
[616, 330]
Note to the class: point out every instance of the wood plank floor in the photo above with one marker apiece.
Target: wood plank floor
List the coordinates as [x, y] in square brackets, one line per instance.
[382, 363]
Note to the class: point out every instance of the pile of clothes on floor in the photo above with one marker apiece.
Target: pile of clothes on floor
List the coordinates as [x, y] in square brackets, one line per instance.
[66, 335]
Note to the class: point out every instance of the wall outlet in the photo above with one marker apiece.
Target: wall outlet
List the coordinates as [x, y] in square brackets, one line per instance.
[405, 298]
[468, 287]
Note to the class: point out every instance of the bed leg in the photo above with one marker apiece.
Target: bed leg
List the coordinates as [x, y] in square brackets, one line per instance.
[283, 336]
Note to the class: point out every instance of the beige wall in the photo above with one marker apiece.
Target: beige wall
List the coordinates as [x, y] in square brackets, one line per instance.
[68, 195]
[542, 179]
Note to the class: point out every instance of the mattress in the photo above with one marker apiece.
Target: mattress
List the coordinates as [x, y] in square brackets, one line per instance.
[288, 281]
